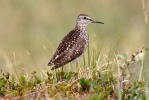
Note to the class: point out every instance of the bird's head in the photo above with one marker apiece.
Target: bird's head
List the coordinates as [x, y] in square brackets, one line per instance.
[84, 20]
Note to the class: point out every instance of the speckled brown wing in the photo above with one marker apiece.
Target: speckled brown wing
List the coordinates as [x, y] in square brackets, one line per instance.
[71, 47]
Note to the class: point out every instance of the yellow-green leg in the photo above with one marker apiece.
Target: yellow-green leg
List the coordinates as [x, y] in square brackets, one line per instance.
[77, 69]
[61, 77]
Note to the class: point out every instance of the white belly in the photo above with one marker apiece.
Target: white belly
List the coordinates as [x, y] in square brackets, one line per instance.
[77, 59]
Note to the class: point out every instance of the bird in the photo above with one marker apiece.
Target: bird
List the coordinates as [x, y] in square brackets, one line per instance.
[74, 44]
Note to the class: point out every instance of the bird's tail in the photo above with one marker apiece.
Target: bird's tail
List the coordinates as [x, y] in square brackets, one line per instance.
[50, 63]
[55, 67]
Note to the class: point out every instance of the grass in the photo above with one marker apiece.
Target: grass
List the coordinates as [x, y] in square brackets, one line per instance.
[107, 77]
[146, 14]
[35, 28]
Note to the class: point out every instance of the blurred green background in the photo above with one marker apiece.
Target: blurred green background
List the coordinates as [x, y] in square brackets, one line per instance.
[28, 25]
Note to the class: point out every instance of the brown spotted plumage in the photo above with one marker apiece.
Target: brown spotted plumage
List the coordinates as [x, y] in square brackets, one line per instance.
[74, 44]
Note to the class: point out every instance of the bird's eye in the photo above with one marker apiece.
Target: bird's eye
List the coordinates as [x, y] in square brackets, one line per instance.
[84, 17]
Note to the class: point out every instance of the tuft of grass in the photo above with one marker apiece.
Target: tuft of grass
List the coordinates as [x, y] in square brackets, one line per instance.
[97, 82]
[145, 7]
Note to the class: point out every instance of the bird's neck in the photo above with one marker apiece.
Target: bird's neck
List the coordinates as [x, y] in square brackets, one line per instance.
[80, 27]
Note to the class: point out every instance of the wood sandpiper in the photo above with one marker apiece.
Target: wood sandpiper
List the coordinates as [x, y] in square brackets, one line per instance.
[74, 44]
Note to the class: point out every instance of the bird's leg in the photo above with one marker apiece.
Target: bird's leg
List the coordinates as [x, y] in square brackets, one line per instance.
[77, 69]
[61, 77]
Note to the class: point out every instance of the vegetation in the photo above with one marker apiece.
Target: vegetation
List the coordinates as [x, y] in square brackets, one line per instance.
[113, 67]
[111, 79]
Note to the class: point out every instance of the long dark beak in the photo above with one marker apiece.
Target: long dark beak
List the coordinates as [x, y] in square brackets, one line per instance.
[94, 21]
